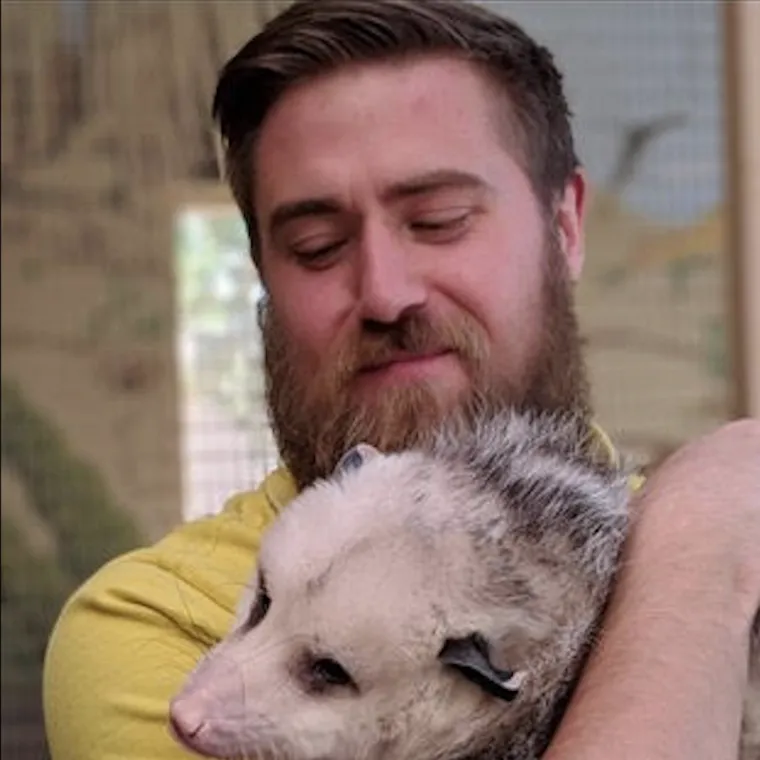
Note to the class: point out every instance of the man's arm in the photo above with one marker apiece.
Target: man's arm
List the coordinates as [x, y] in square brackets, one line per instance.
[667, 679]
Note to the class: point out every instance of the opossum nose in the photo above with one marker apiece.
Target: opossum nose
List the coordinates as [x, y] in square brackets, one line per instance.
[207, 714]
[187, 717]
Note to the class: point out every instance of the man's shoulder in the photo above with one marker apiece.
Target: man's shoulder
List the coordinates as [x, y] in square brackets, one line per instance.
[209, 557]
[128, 637]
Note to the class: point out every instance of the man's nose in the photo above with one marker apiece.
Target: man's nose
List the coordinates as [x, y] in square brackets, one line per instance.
[391, 282]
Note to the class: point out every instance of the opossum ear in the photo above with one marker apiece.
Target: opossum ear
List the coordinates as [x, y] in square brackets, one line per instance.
[355, 457]
[469, 655]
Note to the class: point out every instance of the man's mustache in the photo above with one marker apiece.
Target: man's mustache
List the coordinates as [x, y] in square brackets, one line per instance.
[415, 335]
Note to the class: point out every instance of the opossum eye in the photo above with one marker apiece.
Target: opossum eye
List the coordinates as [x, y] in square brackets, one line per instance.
[325, 672]
[470, 656]
[261, 605]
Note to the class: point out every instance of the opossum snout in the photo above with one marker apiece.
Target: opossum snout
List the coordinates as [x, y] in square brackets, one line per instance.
[187, 722]
[206, 715]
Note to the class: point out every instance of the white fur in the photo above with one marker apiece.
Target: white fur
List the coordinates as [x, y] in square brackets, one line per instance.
[511, 530]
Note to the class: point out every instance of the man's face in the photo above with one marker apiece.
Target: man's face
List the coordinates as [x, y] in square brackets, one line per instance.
[409, 268]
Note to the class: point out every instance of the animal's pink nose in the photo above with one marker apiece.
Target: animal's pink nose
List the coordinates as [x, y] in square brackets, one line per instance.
[187, 719]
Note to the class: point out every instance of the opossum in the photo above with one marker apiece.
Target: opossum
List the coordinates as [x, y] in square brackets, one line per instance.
[432, 604]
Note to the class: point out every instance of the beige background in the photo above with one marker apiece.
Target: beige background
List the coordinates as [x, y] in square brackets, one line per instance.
[100, 145]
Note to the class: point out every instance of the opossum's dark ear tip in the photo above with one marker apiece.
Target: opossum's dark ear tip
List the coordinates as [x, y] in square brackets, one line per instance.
[355, 457]
[469, 655]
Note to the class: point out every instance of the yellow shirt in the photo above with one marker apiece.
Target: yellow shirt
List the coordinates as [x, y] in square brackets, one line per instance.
[128, 638]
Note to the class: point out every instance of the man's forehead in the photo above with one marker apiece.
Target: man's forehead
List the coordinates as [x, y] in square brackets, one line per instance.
[327, 129]
[414, 72]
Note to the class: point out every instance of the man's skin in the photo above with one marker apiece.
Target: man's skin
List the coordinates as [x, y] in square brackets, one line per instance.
[667, 679]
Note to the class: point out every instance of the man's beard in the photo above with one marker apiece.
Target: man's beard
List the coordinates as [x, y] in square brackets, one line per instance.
[316, 417]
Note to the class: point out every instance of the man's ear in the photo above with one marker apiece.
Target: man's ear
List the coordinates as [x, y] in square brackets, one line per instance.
[355, 457]
[570, 220]
[469, 655]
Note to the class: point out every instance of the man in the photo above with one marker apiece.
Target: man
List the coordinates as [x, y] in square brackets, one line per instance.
[415, 207]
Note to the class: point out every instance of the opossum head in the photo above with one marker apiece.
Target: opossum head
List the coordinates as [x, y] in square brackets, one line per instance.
[378, 626]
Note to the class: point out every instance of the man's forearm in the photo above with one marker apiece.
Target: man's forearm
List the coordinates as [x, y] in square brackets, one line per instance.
[666, 680]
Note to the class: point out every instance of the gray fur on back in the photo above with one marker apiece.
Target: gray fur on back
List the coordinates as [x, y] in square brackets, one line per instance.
[552, 477]
[554, 482]
[563, 501]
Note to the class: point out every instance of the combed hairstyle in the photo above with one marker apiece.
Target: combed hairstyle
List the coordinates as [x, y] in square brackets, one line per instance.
[312, 37]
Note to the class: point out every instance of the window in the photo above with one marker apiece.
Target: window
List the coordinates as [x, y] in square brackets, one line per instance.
[226, 443]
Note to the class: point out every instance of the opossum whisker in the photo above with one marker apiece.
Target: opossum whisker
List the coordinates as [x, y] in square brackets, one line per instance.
[242, 754]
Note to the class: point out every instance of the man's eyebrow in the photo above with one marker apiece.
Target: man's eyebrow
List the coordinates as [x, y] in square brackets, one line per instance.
[288, 212]
[438, 179]
[420, 184]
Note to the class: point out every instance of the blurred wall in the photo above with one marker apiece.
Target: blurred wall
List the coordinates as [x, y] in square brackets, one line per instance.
[102, 113]
[646, 84]
[105, 109]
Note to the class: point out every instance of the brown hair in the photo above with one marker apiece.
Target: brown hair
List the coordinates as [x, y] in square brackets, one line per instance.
[312, 37]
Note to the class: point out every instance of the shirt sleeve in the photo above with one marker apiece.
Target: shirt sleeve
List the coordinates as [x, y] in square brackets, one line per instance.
[120, 650]
[129, 637]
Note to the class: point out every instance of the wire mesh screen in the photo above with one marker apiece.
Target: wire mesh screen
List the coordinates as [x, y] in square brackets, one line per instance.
[226, 441]
[645, 83]
[132, 395]
[105, 131]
